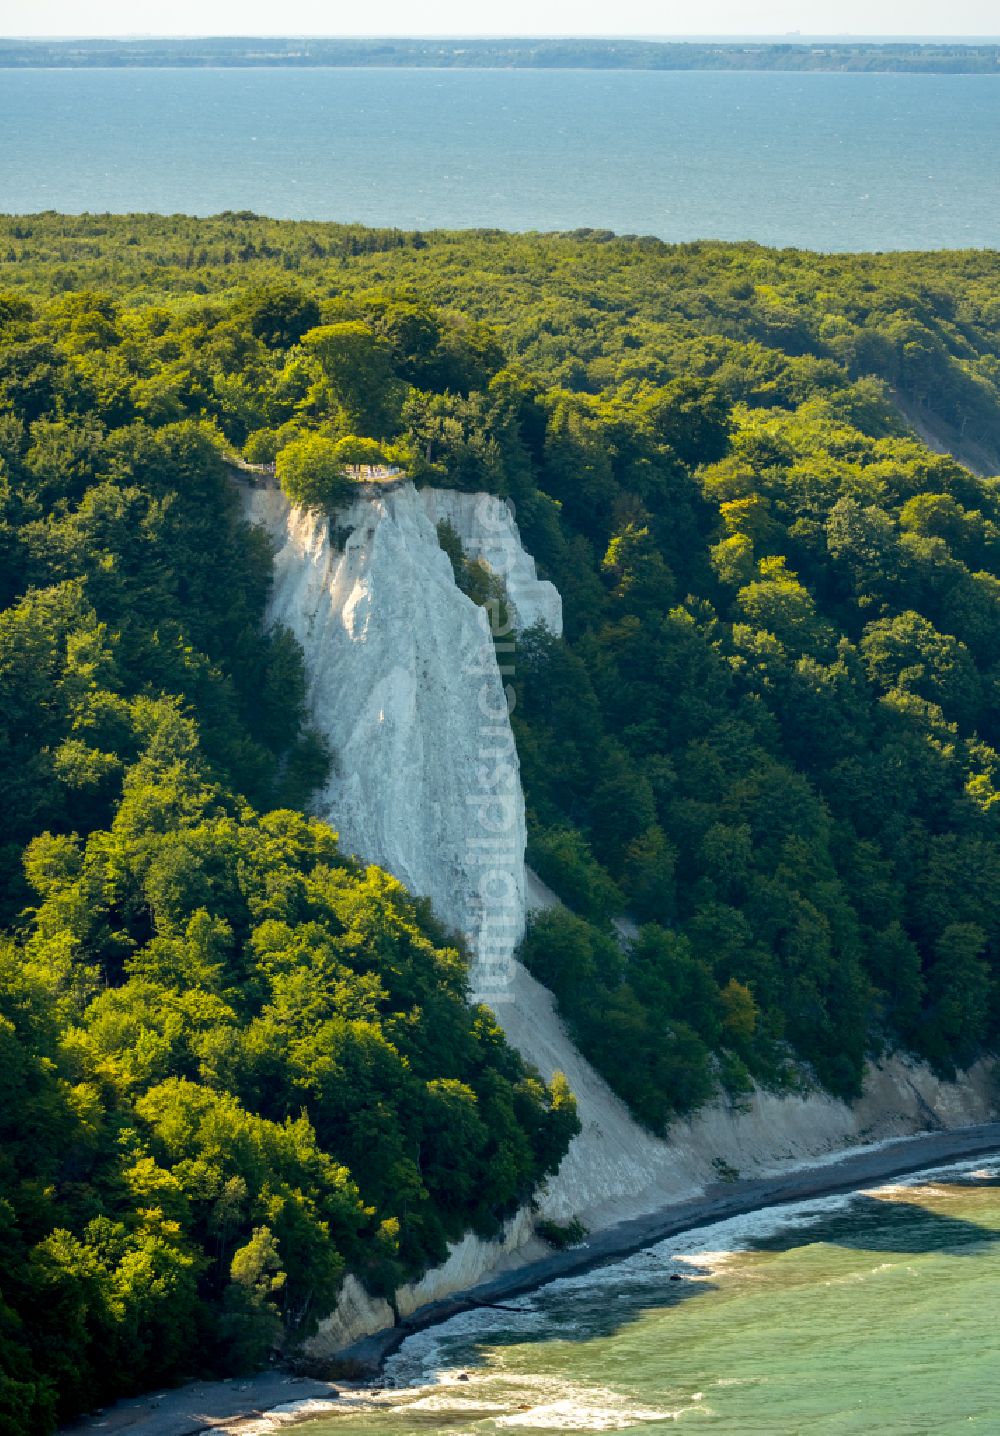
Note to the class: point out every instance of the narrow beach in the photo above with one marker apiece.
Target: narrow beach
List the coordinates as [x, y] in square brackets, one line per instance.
[226, 1405]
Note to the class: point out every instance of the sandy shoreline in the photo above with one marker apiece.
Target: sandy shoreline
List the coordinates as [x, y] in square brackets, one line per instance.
[225, 1405]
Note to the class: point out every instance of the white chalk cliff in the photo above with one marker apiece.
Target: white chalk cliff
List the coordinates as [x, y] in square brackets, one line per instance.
[487, 531]
[404, 683]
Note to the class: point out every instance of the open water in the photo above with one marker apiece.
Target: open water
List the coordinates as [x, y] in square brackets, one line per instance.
[824, 161]
[844, 1316]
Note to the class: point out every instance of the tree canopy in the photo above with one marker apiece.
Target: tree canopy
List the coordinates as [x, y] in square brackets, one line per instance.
[312, 472]
[769, 736]
[233, 1065]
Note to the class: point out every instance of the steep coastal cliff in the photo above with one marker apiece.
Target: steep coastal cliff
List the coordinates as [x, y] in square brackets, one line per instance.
[389, 640]
[405, 685]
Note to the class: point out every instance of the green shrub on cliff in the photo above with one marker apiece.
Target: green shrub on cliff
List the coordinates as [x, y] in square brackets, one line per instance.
[312, 473]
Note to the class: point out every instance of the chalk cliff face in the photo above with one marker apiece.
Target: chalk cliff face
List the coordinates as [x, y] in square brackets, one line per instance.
[404, 682]
[488, 532]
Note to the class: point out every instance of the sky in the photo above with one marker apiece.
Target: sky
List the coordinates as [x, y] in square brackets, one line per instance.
[499, 17]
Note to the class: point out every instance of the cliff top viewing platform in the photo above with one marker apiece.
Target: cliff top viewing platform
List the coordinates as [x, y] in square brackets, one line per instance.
[264, 476]
[382, 475]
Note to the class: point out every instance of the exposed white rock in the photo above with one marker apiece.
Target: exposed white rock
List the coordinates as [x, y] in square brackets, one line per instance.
[765, 1135]
[485, 525]
[469, 1262]
[403, 682]
[356, 1315]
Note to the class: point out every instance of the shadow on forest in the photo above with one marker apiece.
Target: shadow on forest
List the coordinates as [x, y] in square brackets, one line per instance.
[876, 1224]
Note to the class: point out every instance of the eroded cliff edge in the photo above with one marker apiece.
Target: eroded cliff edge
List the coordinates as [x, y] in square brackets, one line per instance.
[405, 685]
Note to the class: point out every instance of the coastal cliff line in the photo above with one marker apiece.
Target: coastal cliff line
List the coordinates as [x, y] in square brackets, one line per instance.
[402, 675]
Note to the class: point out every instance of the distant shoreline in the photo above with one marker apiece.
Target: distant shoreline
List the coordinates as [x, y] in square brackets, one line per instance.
[800, 56]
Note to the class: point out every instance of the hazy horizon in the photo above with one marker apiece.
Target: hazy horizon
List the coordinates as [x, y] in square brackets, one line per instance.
[718, 20]
[702, 37]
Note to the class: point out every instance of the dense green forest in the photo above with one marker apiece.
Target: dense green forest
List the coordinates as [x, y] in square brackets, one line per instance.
[233, 1066]
[907, 57]
[770, 735]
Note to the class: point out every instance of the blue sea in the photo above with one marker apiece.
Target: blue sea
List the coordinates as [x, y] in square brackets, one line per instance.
[825, 161]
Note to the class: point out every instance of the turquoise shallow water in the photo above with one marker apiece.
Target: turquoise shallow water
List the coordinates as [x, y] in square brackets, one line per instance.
[820, 160]
[841, 1317]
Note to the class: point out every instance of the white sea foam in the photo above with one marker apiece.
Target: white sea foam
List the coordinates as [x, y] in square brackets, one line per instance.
[289, 1413]
[935, 1181]
[572, 1414]
[706, 1253]
[521, 1401]
[429, 1355]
